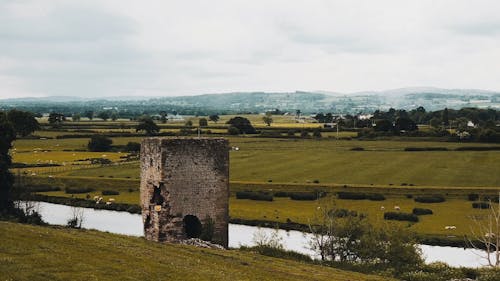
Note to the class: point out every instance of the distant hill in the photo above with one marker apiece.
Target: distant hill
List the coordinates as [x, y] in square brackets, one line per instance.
[307, 102]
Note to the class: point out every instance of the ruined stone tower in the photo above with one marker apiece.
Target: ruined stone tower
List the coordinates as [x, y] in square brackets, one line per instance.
[185, 189]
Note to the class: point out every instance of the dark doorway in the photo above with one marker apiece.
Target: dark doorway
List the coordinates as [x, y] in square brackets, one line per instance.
[192, 226]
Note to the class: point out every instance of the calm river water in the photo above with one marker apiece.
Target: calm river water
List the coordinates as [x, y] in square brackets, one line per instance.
[131, 224]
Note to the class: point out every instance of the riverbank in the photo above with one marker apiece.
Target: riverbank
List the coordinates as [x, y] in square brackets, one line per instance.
[426, 239]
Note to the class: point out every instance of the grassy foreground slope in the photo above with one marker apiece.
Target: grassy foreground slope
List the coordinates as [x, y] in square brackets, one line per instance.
[55, 253]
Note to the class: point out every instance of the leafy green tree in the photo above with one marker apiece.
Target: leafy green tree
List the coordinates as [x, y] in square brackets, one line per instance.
[23, 122]
[232, 130]
[406, 124]
[203, 122]
[104, 115]
[214, 118]
[147, 125]
[435, 122]
[7, 136]
[446, 120]
[268, 119]
[163, 117]
[189, 123]
[383, 125]
[242, 124]
[75, 117]
[99, 143]
[56, 119]
[114, 116]
[89, 114]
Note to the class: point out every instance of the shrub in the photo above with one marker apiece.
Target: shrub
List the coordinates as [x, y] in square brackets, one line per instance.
[481, 205]
[342, 213]
[400, 216]
[473, 197]
[233, 130]
[281, 194]
[351, 195]
[78, 190]
[422, 211]
[375, 197]
[430, 199]
[492, 198]
[304, 196]
[259, 196]
[110, 192]
[132, 147]
[99, 143]
[315, 181]
[361, 196]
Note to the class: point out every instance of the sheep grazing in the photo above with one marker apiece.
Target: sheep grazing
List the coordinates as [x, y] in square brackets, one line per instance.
[382, 208]
[450, 227]
[111, 199]
[96, 197]
[108, 203]
[397, 208]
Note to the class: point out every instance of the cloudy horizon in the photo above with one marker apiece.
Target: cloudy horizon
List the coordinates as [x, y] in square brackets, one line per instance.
[171, 48]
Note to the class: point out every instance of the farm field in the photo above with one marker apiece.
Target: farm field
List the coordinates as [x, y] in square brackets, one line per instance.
[270, 165]
[45, 253]
[304, 161]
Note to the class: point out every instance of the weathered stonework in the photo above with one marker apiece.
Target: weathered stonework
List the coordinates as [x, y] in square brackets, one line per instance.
[185, 189]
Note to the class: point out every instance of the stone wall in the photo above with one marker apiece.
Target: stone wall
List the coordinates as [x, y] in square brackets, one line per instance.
[185, 188]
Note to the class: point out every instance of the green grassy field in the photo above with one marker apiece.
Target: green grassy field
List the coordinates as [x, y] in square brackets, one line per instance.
[303, 161]
[55, 253]
[294, 164]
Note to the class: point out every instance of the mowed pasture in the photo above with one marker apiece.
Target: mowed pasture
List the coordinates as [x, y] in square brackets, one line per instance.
[326, 161]
[270, 164]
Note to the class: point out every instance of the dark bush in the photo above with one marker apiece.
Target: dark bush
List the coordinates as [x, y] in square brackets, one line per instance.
[492, 198]
[375, 197]
[132, 147]
[233, 130]
[99, 143]
[342, 213]
[305, 196]
[281, 194]
[481, 205]
[422, 211]
[78, 190]
[361, 196]
[358, 148]
[110, 192]
[430, 199]
[409, 196]
[315, 181]
[400, 216]
[259, 196]
[473, 197]
[351, 195]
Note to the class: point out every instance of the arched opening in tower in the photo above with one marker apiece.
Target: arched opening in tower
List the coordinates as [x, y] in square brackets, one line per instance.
[192, 226]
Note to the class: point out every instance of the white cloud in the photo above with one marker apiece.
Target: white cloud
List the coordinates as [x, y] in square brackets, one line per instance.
[114, 47]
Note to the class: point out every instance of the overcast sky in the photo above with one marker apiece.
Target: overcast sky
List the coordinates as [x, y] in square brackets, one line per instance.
[115, 48]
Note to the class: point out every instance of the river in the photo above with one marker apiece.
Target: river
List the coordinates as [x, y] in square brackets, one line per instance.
[239, 235]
